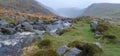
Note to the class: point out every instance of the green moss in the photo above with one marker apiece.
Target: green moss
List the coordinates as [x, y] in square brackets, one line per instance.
[102, 27]
[48, 21]
[49, 52]
[109, 39]
[45, 43]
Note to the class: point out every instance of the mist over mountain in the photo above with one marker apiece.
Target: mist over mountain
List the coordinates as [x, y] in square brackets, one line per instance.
[103, 10]
[69, 12]
[25, 6]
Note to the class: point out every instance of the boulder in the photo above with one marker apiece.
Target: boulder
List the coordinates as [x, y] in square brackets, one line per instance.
[61, 50]
[38, 27]
[73, 52]
[13, 45]
[3, 23]
[27, 26]
[93, 25]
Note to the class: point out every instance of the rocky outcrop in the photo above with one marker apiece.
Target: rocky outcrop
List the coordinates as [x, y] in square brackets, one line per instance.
[66, 51]
[17, 35]
[12, 45]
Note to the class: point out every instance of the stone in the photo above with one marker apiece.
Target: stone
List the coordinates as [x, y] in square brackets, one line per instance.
[26, 26]
[3, 23]
[61, 50]
[93, 25]
[22, 19]
[97, 44]
[39, 33]
[13, 45]
[37, 27]
[73, 52]
[97, 34]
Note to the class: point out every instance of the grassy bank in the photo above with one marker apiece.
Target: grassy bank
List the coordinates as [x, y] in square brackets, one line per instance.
[81, 31]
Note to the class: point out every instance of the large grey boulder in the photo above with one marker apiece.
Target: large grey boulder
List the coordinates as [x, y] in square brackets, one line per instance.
[27, 26]
[73, 52]
[93, 25]
[61, 50]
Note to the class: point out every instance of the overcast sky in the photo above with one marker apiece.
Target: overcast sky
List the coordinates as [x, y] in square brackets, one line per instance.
[55, 4]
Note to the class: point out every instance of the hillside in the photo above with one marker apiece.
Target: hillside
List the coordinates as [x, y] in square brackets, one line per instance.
[25, 6]
[103, 10]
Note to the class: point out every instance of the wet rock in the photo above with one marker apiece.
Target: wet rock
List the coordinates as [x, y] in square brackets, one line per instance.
[73, 52]
[61, 50]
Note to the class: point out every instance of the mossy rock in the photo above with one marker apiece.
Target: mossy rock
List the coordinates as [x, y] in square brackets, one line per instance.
[88, 49]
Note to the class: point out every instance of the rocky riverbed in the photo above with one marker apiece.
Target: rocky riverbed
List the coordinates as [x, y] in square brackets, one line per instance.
[17, 35]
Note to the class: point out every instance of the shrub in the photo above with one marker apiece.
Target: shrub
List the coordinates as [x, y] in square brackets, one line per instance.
[102, 27]
[77, 44]
[44, 43]
[109, 38]
[88, 49]
[46, 53]
[48, 21]
[91, 50]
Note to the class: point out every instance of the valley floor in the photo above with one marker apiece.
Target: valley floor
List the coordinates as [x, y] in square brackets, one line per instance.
[81, 31]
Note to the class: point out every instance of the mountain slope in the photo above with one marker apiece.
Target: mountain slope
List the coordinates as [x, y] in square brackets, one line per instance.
[103, 10]
[24, 6]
